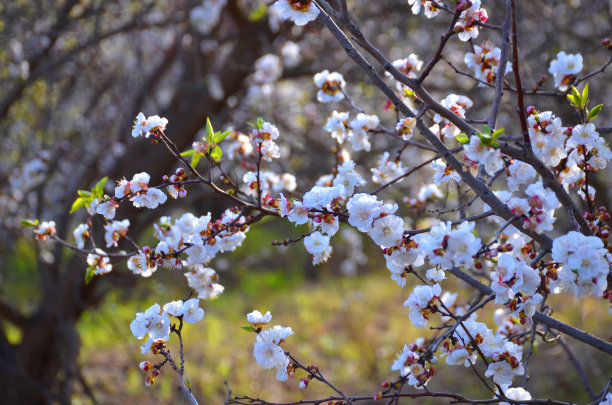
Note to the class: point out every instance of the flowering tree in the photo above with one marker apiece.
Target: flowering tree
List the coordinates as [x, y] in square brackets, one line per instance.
[511, 211]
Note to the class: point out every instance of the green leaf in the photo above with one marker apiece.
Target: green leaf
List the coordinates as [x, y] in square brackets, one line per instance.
[594, 112]
[259, 12]
[89, 273]
[576, 93]
[189, 152]
[210, 132]
[216, 154]
[462, 138]
[486, 129]
[29, 222]
[249, 328]
[85, 193]
[195, 159]
[188, 383]
[78, 204]
[259, 123]
[497, 133]
[98, 189]
[219, 136]
[585, 95]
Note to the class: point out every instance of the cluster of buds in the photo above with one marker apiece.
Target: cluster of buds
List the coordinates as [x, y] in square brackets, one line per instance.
[176, 190]
[598, 222]
[44, 230]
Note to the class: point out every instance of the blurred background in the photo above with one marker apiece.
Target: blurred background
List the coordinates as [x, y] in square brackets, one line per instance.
[74, 74]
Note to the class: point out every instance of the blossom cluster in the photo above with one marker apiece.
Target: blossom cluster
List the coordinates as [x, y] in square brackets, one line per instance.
[156, 323]
[484, 61]
[584, 264]
[579, 148]
[267, 350]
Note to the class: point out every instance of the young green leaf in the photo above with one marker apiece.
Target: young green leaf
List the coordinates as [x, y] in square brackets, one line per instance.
[585, 95]
[216, 154]
[259, 12]
[594, 112]
[219, 136]
[497, 133]
[85, 193]
[78, 204]
[98, 189]
[462, 138]
[248, 328]
[210, 132]
[89, 273]
[195, 159]
[29, 222]
[187, 153]
[486, 129]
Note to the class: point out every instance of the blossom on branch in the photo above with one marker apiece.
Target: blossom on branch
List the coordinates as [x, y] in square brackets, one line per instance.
[301, 12]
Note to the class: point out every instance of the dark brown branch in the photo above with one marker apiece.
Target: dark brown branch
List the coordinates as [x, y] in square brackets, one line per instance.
[539, 317]
[517, 77]
[501, 69]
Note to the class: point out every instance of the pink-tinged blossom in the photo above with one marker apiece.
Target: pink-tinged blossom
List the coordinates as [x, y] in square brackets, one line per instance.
[503, 373]
[584, 266]
[147, 125]
[44, 229]
[484, 155]
[152, 322]
[123, 188]
[100, 262]
[174, 308]
[469, 19]
[107, 208]
[565, 67]
[387, 169]
[418, 302]
[316, 243]
[348, 178]
[268, 69]
[336, 125]
[409, 66]
[114, 231]
[387, 231]
[457, 104]
[298, 214]
[405, 127]
[512, 277]
[257, 319]
[192, 313]
[518, 394]
[400, 259]
[547, 135]
[269, 354]
[460, 356]
[140, 264]
[429, 6]
[331, 86]
[443, 173]
[81, 233]
[320, 197]
[328, 224]
[484, 62]
[519, 173]
[301, 12]
[363, 209]
[290, 51]
[203, 281]
[359, 128]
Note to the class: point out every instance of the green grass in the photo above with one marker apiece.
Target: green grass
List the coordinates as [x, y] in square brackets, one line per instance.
[351, 328]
